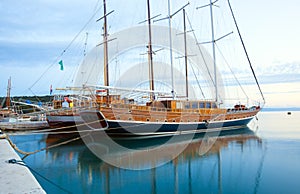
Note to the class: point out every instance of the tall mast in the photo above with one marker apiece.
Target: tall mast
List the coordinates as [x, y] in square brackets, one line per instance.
[185, 57]
[213, 41]
[150, 57]
[214, 49]
[8, 93]
[105, 40]
[171, 53]
[85, 43]
[169, 17]
[106, 74]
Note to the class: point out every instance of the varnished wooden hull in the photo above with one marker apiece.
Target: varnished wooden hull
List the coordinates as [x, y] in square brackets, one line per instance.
[64, 122]
[139, 128]
[120, 128]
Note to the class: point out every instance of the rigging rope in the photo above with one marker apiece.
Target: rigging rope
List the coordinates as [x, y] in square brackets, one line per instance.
[68, 46]
[232, 72]
[200, 50]
[246, 52]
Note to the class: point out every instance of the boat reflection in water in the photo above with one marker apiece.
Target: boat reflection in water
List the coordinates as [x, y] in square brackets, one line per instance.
[234, 160]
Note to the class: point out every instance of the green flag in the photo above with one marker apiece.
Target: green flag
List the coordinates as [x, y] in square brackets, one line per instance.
[61, 65]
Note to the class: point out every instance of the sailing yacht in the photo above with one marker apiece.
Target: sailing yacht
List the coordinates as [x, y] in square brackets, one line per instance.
[107, 109]
[7, 112]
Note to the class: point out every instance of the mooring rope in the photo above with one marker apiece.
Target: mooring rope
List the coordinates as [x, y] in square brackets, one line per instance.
[20, 162]
[14, 146]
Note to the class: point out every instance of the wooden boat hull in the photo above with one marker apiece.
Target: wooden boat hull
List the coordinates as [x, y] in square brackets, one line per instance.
[23, 125]
[121, 128]
[85, 120]
[63, 122]
[139, 128]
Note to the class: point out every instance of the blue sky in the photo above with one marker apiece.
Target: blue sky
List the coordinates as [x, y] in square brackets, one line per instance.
[34, 33]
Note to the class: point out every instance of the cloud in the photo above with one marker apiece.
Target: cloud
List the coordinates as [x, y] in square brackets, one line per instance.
[43, 21]
[281, 68]
[280, 73]
[276, 73]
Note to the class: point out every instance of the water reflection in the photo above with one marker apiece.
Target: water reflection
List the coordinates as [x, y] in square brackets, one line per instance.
[230, 164]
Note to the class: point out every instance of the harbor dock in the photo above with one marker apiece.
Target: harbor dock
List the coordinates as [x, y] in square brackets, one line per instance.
[15, 176]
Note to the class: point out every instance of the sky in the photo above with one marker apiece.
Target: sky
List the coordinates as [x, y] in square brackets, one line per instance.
[35, 35]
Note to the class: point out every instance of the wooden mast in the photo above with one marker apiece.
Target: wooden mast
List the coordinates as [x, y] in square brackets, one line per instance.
[214, 49]
[105, 50]
[171, 52]
[169, 17]
[185, 57]
[8, 93]
[150, 57]
[106, 76]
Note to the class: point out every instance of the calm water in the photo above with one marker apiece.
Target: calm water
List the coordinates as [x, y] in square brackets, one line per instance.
[262, 159]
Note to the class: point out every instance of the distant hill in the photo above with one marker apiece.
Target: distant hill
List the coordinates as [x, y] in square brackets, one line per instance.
[34, 99]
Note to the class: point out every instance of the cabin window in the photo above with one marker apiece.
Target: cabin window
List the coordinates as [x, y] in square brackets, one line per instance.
[179, 105]
[148, 119]
[174, 120]
[195, 105]
[156, 120]
[214, 105]
[166, 120]
[129, 118]
[201, 104]
[208, 105]
[187, 105]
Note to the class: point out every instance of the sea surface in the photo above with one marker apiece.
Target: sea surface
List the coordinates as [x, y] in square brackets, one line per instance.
[263, 158]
